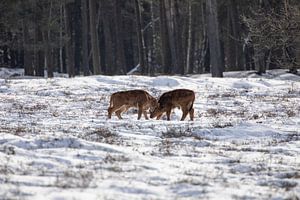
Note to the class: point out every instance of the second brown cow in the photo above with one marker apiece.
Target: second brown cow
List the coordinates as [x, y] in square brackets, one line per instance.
[182, 98]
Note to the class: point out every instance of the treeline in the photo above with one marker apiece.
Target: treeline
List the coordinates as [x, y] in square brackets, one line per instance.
[85, 37]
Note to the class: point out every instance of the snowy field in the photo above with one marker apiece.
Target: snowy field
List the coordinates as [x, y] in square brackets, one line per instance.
[56, 141]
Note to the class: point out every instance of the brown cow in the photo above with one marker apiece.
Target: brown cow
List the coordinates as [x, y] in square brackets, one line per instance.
[181, 98]
[122, 101]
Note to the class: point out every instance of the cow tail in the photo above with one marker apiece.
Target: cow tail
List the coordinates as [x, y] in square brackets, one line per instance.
[191, 106]
[111, 101]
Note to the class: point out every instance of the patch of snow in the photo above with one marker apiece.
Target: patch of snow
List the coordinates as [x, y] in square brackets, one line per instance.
[57, 143]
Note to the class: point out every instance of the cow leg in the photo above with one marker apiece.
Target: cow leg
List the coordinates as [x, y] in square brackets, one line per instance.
[121, 110]
[140, 111]
[168, 114]
[118, 113]
[109, 112]
[112, 110]
[184, 113]
[145, 114]
[191, 112]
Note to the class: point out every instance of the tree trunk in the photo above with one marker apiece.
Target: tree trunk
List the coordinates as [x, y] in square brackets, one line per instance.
[296, 64]
[38, 39]
[48, 51]
[85, 50]
[260, 53]
[140, 38]
[164, 37]
[230, 52]
[69, 48]
[216, 62]
[120, 61]
[39, 69]
[154, 42]
[172, 32]
[191, 42]
[48, 54]
[234, 49]
[77, 37]
[108, 52]
[260, 63]
[61, 45]
[94, 37]
[297, 52]
[13, 60]
[178, 39]
[28, 57]
[240, 62]
[28, 67]
[153, 51]
[205, 54]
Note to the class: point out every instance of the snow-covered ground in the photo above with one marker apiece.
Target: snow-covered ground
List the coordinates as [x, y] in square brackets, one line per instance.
[56, 141]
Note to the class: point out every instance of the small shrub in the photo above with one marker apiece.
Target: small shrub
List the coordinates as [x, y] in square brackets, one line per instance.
[102, 134]
[227, 95]
[212, 96]
[111, 158]
[218, 124]
[180, 132]
[74, 179]
[290, 113]
[165, 147]
[176, 133]
[192, 181]
[215, 112]
[9, 150]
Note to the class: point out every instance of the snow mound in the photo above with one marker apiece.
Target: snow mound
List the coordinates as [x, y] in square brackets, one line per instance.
[165, 82]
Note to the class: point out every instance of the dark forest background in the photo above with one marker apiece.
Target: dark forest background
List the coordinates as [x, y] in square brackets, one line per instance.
[85, 37]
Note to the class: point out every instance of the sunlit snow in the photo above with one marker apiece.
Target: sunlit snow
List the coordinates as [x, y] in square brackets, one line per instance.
[57, 143]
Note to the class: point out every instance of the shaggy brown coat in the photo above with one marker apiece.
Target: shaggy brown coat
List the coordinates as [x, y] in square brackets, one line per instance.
[181, 98]
[122, 101]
